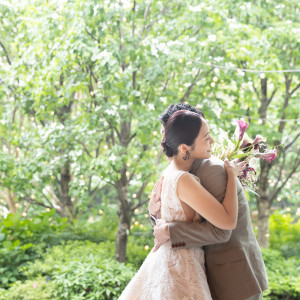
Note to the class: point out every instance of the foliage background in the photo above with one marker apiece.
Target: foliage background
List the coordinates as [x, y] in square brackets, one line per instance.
[82, 84]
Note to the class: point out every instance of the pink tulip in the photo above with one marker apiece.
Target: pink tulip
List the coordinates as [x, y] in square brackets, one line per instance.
[269, 155]
[243, 126]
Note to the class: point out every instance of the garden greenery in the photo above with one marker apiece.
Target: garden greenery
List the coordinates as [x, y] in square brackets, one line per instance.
[51, 259]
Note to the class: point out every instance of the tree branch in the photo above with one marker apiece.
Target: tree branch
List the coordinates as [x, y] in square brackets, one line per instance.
[280, 172]
[147, 97]
[183, 31]
[292, 142]
[122, 47]
[256, 92]
[92, 73]
[117, 131]
[96, 189]
[140, 192]
[167, 81]
[130, 139]
[94, 38]
[133, 25]
[273, 93]
[57, 179]
[145, 18]
[85, 149]
[131, 176]
[190, 88]
[295, 89]
[89, 184]
[112, 137]
[150, 25]
[31, 201]
[288, 82]
[98, 148]
[6, 53]
[139, 204]
[296, 165]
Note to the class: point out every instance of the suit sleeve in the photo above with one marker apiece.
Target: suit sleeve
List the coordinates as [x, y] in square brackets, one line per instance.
[213, 177]
[184, 235]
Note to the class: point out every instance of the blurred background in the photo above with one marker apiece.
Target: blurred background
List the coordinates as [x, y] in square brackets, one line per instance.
[82, 84]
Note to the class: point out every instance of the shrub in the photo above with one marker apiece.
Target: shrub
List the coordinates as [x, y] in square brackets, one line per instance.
[82, 270]
[53, 258]
[3, 294]
[283, 275]
[20, 240]
[12, 257]
[284, 234]
[98, 228]
[35, 289]
[140, 243]
[91, 280]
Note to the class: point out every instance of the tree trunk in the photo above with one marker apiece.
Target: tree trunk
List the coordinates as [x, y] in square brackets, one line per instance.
[263, 222]
[65, 198]
[124, 224]
[9, 197]
[122, 236]
[263, 204]
[264, 99]
[265, 198]
[262, 200]
[124, 211]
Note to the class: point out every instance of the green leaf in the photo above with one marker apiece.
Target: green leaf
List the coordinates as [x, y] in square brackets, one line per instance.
[7, 244]
[240, 155]
[2, 237]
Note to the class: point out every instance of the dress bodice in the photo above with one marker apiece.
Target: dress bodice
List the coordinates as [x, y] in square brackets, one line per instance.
[171, 208]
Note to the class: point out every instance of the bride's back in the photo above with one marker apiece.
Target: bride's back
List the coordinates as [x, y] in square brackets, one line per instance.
[172, 209]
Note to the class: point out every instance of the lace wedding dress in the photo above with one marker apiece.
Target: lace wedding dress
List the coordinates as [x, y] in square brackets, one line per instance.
[170, 274]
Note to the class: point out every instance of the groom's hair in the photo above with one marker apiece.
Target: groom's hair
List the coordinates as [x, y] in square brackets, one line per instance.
[171, 109]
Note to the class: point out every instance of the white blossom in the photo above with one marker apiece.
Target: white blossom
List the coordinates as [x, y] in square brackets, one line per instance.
[112, 157]
[151, 106]
[212, 37]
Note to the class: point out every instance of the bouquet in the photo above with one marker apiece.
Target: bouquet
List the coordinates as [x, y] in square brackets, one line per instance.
[241, 147]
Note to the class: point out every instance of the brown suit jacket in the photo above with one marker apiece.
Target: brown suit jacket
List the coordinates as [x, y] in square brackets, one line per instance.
[234, 264]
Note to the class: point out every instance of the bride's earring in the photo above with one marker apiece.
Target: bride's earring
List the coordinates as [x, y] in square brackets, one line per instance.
[187, 155]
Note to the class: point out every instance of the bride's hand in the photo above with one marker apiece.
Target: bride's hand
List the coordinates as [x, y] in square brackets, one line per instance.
[234, 167]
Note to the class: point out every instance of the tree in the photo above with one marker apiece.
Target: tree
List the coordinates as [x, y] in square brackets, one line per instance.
[83, 82]
[275, 48]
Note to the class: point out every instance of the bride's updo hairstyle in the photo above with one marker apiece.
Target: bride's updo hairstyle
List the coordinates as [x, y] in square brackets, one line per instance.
[182, 127]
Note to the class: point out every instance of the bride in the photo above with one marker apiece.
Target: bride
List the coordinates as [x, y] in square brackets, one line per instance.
[168, 274]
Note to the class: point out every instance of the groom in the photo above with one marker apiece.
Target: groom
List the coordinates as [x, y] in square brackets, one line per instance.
[234, 265]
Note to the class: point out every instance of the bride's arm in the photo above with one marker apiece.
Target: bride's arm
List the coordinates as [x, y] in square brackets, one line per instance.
[197, 197]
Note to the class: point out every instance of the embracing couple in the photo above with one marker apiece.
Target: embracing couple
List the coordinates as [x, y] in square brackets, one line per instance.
[205, 247]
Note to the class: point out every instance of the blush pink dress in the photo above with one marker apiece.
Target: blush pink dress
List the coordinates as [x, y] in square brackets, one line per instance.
[169, 274]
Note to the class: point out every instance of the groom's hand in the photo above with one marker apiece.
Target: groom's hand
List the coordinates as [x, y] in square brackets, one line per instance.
[155, 202]
[161, 233]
